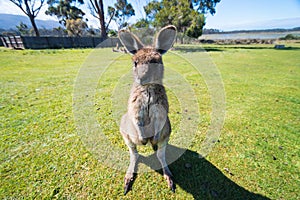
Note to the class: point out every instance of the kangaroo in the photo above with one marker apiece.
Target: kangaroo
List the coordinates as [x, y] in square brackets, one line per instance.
[146, 120]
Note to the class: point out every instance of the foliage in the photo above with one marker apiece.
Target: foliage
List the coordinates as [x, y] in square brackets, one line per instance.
[65, 10]
[112, 33]
[204, 6]
[151, 10]
[121, 12]
[179, 13]
[23, 29]
[69, 15]
[31, 8]
[141, 23]
[58, 31]
[290, 37]
[194, 28]
[75, 27]
[210, 31]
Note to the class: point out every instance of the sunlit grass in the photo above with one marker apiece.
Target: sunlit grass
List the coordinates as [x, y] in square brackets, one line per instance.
[42, 155]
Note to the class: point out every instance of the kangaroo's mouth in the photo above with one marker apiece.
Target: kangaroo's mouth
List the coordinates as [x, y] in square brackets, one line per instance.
[144, 141]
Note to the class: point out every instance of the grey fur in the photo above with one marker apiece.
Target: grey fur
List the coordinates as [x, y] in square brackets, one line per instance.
[146, 120]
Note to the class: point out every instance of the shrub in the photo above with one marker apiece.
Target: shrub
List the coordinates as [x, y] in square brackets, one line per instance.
[290, 37]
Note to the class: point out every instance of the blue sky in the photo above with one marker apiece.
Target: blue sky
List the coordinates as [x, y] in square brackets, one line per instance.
[230, 14]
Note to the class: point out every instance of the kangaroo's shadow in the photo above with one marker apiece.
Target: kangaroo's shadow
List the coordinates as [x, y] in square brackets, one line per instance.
[199, 177]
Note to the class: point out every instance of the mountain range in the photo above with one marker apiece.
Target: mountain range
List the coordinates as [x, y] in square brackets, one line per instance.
[267, 24]
[9, 21]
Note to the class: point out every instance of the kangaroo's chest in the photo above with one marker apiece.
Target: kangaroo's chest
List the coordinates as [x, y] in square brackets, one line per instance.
[147, 101]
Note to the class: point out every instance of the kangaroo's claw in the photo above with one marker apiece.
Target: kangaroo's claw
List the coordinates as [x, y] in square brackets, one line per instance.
[173, 187]
[170, 182]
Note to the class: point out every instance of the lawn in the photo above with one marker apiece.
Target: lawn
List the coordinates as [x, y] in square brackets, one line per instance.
[60, 111]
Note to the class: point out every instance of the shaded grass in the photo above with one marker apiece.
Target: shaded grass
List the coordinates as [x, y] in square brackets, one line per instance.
[43, 157]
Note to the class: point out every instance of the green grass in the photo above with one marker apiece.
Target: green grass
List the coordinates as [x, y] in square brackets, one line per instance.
[256, 157]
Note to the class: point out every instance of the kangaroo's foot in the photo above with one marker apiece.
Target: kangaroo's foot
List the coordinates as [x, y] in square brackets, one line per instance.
[167, 173]
[171, 184]
[129, 180]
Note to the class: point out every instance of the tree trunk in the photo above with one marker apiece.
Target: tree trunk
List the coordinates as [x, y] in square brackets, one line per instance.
[30, 14]
[36, 30]
[102, 27]
[100, 9]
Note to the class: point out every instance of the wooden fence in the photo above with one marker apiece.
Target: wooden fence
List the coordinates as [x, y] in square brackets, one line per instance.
[28, 42]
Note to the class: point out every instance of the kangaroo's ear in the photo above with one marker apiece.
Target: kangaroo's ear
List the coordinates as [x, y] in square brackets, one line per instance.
[165, 39]
[130, 41]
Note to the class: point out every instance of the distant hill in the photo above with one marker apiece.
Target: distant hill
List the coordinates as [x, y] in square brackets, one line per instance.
[263, 25]
[275, 30]
[8, 21]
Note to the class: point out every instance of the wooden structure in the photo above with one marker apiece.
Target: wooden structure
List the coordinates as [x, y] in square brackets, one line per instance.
[13, 42]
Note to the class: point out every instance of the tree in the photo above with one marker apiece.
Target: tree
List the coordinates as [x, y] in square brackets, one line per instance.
[121, 12]
[31, 8]
[75, 27]
[65, 10]
[187, 20]
[23, 29]
[142, 23]
[151, 9]
[97, 10]
[187, 16]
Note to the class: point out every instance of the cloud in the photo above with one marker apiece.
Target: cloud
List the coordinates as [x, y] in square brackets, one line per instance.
[8, 7]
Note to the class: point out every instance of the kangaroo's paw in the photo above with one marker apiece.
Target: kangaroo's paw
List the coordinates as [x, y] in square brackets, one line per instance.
[129, 180]
[170, 182]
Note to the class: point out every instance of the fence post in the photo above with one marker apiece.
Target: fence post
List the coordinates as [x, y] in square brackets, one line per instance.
[4, 42]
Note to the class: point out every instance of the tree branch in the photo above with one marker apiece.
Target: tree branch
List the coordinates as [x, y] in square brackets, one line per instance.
[28, 8]
[32, 2]
[93, 9]
[19, 4]
[39, 8]
[111, 16]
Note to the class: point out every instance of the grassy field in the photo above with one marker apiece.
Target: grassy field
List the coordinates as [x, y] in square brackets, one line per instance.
[256, 157]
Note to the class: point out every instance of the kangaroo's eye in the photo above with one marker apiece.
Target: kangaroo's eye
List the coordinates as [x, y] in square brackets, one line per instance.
[135, 63]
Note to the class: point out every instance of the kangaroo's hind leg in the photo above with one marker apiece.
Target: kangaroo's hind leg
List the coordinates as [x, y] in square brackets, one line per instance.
[131, 173]
[161, 155]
